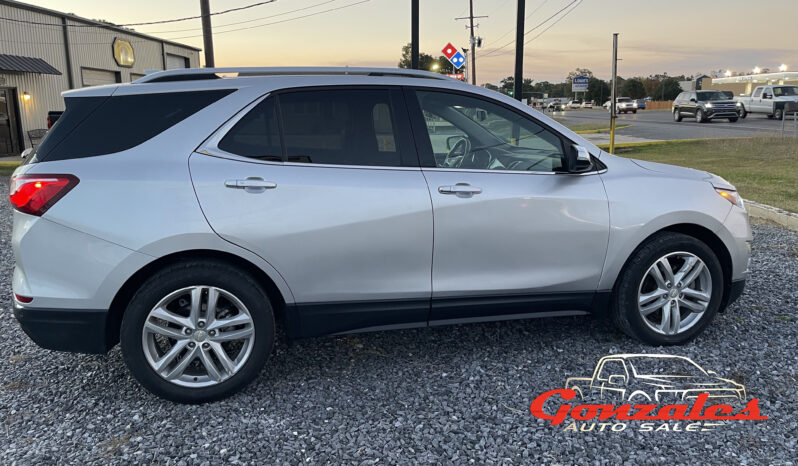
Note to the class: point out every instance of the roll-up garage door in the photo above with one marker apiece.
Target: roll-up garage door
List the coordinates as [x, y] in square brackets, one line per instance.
[93, 77]
[175, 62]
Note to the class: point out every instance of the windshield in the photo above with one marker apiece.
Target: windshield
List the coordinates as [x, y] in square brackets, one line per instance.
[624, 99]
[653, 366]
[786, 90]
[711, 95]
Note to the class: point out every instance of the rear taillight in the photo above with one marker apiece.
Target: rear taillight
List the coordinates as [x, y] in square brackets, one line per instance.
[23, 299]
[49, 122]
[34, 194]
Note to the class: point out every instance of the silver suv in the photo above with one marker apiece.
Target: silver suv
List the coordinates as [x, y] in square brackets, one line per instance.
[192, 212]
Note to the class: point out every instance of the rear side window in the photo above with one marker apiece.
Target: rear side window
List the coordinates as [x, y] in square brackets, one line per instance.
[103, 125]
[340, 127]
[256, 135]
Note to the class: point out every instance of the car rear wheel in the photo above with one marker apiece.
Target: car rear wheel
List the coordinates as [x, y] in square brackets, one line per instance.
[669, 291]
[677, 116]
[699, 116]
[197, 331]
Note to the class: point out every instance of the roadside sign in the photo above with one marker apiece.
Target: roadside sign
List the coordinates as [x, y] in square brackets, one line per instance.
[457, 60]
[459, 76]
[579, 84]
[449, 51]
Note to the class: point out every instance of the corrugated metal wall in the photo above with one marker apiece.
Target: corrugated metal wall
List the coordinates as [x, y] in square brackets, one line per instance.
[90, 47]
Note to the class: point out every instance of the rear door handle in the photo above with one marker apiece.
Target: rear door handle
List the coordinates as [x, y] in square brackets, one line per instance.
[252, 184]
[460, 190]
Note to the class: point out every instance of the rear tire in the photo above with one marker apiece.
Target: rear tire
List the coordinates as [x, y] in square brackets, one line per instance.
[198, 341]
[626, 310]
[778, 114]
[634, 111]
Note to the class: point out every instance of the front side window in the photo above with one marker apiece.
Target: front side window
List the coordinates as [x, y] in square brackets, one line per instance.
[471, 133]
[610, 368]
[340, 127]
[256, 135]
[758, 92]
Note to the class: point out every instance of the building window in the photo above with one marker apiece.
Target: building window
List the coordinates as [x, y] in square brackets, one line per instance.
[95, 77]
[176, 62]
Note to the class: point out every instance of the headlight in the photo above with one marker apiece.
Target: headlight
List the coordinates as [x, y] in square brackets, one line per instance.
[739, 104]
[731, 196]
[634, 104]
[708, 105]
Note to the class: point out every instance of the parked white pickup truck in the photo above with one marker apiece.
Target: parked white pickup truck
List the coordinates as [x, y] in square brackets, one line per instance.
[769, 100]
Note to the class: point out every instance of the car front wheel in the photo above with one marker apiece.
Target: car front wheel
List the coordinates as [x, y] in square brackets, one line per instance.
[197, 331]
[677, 116]
[669, 291]
[699, 116]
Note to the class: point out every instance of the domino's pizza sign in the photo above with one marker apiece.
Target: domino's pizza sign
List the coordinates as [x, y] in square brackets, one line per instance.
[456, 58]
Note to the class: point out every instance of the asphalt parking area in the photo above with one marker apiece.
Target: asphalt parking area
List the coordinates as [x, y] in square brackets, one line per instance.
[453, 395]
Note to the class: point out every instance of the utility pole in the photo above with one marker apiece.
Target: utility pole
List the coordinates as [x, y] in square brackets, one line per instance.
[474, 41]
[414, 34]
[207, 34]
[518, 88]
[613, 91]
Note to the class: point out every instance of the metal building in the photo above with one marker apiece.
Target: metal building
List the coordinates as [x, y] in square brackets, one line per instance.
[45, 52]
[745, 84]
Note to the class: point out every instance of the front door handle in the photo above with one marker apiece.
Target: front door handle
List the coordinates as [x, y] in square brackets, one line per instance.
[460, 190]
[250, 185]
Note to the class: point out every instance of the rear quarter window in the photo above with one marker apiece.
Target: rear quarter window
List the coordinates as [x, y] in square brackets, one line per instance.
[93, 126]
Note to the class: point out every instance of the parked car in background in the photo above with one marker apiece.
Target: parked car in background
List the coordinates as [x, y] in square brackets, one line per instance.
[769, 100]
[588, 104]
[308, 198]
[704, 106]
[573, 104]
[554, 105]
[52, 117]
[625, 105]
[641, 104]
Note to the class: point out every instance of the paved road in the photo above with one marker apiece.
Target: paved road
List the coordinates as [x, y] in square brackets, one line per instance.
[657, 124]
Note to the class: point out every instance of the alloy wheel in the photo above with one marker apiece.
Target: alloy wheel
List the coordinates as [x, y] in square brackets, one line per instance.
[198, 336]
[674, 293]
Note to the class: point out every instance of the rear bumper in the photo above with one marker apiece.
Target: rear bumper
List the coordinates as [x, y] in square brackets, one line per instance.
[73, 330]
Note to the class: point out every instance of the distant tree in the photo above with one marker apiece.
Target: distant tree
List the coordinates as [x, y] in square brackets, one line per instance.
[507, 86]
[425, 61]
[633, 88]
[598, 91]
[668, 89]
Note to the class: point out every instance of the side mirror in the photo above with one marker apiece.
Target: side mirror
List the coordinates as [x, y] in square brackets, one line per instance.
[692, 100]
[616, 380]
[26, 152]
[766, 96]
[578, 159]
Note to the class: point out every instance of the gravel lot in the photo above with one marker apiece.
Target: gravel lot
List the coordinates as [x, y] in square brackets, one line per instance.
[450, 395]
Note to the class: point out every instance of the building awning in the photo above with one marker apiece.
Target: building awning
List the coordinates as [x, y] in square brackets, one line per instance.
[26, 65]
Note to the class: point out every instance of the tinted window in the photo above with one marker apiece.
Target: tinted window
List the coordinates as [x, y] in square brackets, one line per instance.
[256, 135]
[104, 125]
[471, 133]
[340, 127]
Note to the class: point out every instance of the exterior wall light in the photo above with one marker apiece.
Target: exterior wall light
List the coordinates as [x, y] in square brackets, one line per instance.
[26, 96]
[783, 68]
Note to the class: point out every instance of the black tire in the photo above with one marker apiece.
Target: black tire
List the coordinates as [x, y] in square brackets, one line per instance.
[191, 273]
[778, 114]
[699, 116]
[743, 113]
[634, 111]
[733, 120]
[624, 308]
[677, 116]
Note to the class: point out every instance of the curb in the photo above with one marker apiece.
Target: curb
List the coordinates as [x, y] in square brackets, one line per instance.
[774, 214]
[600, 130]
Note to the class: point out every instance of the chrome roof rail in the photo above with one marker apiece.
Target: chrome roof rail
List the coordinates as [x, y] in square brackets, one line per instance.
[191, 74]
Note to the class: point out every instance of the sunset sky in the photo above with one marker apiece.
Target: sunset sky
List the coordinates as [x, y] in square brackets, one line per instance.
[673, 36]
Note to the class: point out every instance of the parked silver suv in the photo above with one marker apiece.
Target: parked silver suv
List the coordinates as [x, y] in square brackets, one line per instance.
[188, 215]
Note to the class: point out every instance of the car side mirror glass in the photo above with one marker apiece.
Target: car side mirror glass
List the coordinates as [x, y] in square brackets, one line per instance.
[26, 152]
[765, 96]
[578, 159]
[616, 380]
[692, 100]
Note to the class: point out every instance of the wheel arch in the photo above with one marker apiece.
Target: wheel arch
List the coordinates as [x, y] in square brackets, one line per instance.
[702, 234]
[133, 283]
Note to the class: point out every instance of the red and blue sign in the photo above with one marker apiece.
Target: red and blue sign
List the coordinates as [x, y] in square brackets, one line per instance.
[456, 58]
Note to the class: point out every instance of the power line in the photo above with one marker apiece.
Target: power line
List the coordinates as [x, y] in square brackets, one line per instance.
[244, 22]
[527, 17]
[275, 22]
[187, 18]
[492, 52]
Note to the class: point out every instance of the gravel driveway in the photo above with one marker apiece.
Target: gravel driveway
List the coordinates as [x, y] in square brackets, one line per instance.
[451, 395]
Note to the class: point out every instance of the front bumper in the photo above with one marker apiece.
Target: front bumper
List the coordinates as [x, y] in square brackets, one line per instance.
[73, 330]
[713, 114]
